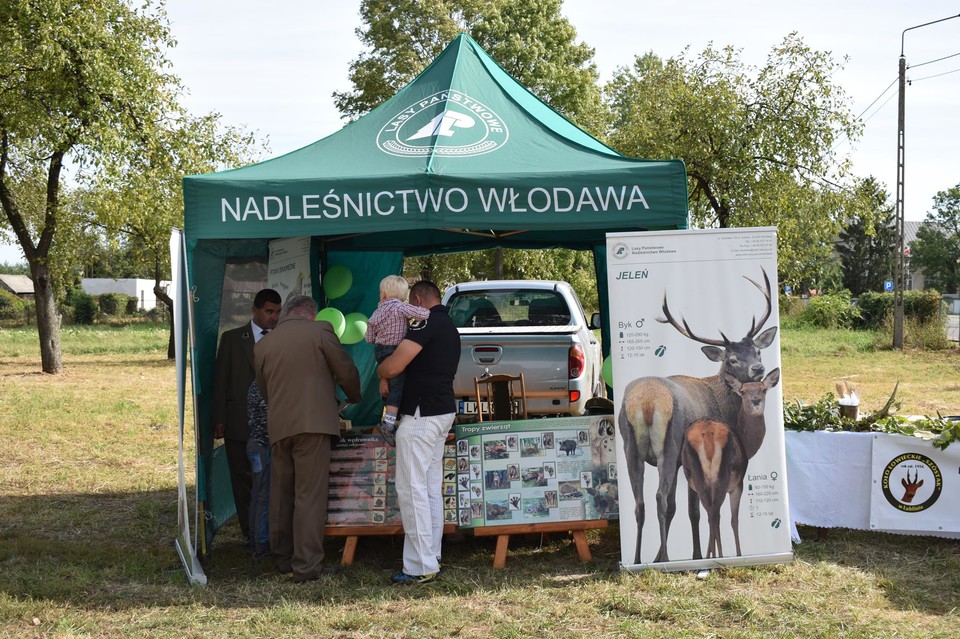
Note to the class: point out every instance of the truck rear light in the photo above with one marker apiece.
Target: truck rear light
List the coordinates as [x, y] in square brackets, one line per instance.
[575, 362]
[574, 396]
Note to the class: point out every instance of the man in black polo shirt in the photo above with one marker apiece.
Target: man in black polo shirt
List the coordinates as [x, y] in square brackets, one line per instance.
[429, 354]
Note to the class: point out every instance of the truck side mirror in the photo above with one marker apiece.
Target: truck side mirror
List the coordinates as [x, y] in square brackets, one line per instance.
[595, 321]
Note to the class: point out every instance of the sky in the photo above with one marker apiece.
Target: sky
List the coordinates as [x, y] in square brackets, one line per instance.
[272, 67]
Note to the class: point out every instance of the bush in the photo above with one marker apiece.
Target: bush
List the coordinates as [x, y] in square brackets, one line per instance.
[133, 305]
[929, 335]
[830, 311]
[12, 308]
[116, 304]
[922, 306]
[84, 307]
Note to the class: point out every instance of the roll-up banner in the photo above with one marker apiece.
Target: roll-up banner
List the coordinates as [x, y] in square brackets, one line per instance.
[699, 408]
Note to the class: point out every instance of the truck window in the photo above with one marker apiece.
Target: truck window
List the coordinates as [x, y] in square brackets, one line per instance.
[516, 307]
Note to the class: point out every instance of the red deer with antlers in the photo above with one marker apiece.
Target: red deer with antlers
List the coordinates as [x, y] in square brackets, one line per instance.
[715, 455]
[656, 411]
[910, 486]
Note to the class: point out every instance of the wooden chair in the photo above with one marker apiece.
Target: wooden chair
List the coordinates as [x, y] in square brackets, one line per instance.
[502, 394]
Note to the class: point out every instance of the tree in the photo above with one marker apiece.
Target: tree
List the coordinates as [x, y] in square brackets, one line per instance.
[757, 143]
[868, 245]
[78, 82]
[937, 247]
[141, 196]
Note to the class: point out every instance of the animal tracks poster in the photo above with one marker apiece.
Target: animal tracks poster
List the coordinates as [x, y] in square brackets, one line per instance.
[536, 471]
[697, 388]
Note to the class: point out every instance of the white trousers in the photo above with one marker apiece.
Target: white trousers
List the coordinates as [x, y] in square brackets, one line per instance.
[419, 486]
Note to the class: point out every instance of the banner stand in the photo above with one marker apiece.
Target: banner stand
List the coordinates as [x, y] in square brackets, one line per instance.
[710, 564]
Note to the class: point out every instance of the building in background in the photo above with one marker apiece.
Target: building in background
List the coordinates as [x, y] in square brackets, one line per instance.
[142, 289]
[19, 285]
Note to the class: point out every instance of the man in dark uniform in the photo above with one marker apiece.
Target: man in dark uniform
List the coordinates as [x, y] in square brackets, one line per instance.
[232, 378]
[429, 354]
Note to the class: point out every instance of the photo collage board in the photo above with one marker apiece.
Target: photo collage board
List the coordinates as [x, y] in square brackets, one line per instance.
[362, 476]
[540, 470]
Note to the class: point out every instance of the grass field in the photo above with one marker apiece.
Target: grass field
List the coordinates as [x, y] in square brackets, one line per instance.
[87, 519]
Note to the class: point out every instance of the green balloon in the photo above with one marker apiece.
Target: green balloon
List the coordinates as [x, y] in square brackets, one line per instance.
[337, 281]
[606, 372]
[335, 317]
[356, 328]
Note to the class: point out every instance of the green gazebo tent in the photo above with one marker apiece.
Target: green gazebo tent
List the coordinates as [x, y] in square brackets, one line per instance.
[463, 158]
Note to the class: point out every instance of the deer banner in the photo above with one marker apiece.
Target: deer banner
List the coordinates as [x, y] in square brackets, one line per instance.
[699, 407]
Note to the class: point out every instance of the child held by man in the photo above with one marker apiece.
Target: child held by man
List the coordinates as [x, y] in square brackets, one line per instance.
[386, 328]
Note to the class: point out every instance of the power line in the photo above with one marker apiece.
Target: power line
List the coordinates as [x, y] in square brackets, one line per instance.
[928, 77]
[946, 57]
[878, 97]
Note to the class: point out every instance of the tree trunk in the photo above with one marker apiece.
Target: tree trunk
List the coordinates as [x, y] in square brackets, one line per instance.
[48, 320]
[498, 264]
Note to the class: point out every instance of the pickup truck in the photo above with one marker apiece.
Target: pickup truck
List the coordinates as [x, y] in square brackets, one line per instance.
[534, 327]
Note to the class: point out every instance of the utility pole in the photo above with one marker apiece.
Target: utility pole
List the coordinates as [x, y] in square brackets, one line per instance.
[899, 276]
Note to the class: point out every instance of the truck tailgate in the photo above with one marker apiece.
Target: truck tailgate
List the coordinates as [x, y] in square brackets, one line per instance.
[516, 350]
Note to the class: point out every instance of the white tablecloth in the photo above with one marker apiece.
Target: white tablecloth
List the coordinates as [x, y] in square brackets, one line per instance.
[829, 481]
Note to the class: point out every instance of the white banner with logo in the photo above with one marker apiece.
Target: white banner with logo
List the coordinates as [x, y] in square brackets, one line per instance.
[288, 271]
[915, 485]
[696, 378]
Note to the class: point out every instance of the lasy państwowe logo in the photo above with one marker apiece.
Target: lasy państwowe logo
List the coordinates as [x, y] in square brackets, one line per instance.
[447, 123]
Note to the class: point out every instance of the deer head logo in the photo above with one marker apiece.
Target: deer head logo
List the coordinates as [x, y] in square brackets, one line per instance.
[910, 486]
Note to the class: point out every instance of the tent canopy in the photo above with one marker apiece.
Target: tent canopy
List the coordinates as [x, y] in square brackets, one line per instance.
[463, 158]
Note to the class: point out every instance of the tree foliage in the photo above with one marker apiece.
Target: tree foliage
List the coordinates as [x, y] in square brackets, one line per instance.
[139, 198]
[79, 82]
[937, 247]
[757, 142]
[530, 39]
[868, 245]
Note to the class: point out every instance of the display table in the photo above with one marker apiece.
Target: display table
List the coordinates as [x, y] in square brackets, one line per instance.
[830, 481]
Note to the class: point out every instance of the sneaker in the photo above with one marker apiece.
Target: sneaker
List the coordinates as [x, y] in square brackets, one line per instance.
[388, 432]
[403, 579]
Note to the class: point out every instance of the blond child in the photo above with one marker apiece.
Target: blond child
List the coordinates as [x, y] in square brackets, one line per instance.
[386, 328]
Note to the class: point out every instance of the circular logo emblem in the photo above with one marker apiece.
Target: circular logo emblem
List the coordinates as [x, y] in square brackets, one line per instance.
[620, 250]
[911, 482]
[447, 123]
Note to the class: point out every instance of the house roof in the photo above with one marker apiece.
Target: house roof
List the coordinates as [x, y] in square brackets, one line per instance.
[17, 284]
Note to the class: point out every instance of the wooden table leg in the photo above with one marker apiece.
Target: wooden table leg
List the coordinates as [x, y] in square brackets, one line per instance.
[500, 556]
[349, 550]
[583, 548]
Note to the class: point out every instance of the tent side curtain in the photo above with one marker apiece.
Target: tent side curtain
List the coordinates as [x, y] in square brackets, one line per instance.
[223, 302]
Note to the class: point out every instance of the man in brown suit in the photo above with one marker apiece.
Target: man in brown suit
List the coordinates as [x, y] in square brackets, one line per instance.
[232, 378]
[298, 367]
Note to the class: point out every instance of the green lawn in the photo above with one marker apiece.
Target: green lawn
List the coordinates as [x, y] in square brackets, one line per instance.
[88, 516]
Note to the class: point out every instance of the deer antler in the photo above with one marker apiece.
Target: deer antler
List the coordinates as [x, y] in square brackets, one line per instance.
[756, 326]
[685, 329]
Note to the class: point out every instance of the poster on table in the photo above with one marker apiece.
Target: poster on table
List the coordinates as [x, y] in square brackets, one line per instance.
[536, 471]
[915, 485]
[697, 387]
[363, 491]
[288, 271]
